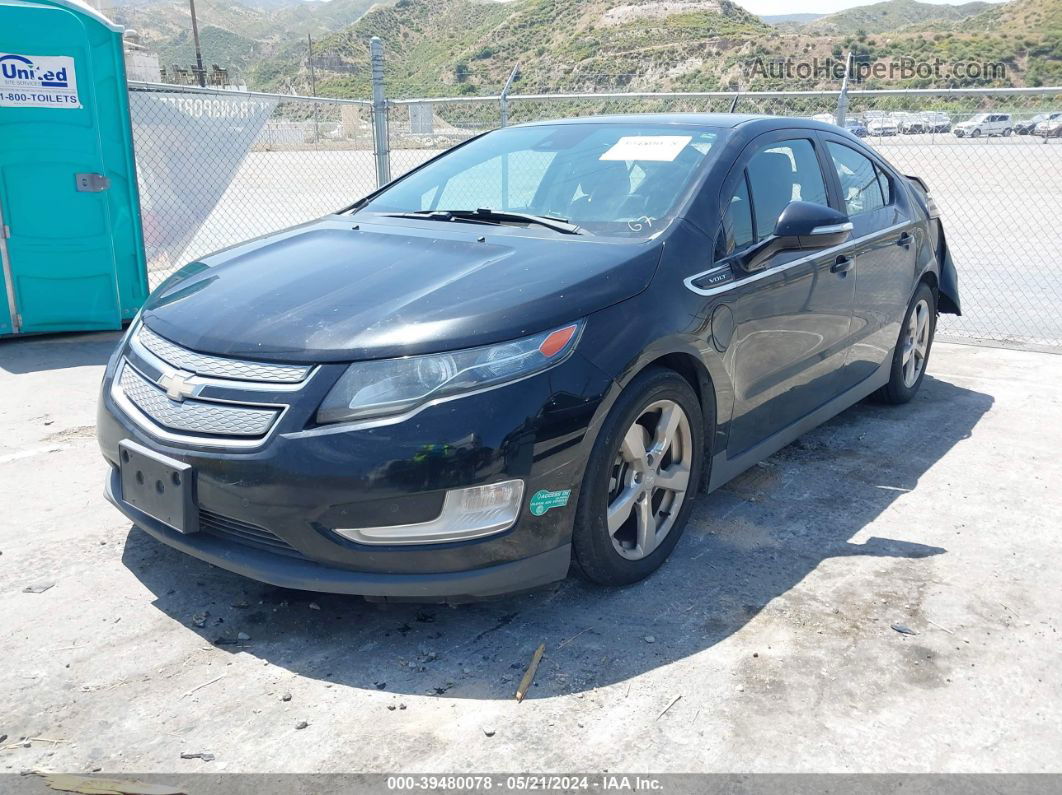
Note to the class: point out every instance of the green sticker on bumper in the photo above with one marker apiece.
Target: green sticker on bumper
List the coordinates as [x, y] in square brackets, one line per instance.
[542, 501]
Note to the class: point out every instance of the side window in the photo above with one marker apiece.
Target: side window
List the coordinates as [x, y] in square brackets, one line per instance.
[780, 173]
[736, 231]
[860, 183]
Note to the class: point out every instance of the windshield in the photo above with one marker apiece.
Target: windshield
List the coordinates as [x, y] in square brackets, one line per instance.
[608, 179]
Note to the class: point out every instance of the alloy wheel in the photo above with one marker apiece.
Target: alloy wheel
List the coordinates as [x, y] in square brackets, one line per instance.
[916, 343]
[649, 480]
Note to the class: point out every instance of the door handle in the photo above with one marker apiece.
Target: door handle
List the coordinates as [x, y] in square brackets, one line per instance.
[905, 240]
[842, 264]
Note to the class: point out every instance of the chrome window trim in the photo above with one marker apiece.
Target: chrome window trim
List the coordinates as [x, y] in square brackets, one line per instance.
[145, 423]
[824, 252]
[833, 229]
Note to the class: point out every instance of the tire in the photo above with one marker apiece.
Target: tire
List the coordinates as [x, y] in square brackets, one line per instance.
[1007, 132]
[611, 480]
[902, 387]
[975, 134]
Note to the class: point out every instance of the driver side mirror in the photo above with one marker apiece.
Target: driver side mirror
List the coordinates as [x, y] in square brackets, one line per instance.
[801, 226]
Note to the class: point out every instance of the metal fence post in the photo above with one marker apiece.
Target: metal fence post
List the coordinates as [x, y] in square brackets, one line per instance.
[503, 99]
[842, 98]
[381, 143]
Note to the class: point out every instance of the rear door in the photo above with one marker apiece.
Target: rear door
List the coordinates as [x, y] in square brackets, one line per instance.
[59, 252]
[883, 248]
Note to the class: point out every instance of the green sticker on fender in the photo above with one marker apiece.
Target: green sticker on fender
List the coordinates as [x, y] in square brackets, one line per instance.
[542, 501]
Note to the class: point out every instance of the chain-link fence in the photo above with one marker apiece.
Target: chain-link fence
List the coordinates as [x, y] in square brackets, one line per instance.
[219, 167]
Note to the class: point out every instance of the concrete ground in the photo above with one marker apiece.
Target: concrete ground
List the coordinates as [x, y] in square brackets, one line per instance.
[772, 625]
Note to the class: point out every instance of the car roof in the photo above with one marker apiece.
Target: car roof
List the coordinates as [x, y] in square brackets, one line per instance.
[756, 123]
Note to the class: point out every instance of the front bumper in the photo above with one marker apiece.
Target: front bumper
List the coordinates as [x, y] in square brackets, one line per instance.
[287, 572]
[269, 513]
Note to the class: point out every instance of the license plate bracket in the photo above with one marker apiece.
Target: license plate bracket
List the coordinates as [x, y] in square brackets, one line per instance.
[161, 487]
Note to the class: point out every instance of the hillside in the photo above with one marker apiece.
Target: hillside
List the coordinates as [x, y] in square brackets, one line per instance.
[1019, 18]
[448, 47]
[1037, 25]
[800, 19]
[892, 16]
[235, 34]
[790, 22]
[465, 47]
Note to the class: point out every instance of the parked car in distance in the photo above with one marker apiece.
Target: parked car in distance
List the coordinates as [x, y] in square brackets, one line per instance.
[1027, 126]
[882, 126]
[856, 127]
[934, 121]
[537, 347]
[986, 124]
[908, 123]
[1049, 129]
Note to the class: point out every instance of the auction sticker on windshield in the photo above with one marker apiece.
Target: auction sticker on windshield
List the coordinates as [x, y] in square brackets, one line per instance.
[663, 148]
[37, 81]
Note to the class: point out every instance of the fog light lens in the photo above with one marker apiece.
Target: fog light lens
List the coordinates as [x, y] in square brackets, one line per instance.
[466, 513]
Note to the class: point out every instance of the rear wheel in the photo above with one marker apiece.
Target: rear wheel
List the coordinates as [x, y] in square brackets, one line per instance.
[1007, 132]
[640, 480]
[912, 348]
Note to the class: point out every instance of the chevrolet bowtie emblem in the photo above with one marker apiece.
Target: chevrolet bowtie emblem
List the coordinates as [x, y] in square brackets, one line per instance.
[176, 385]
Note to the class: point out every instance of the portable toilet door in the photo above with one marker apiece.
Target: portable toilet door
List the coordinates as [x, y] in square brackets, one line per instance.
[71, 242]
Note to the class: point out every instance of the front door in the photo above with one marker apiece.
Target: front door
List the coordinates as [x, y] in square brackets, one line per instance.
[58, 227]
[792, 319]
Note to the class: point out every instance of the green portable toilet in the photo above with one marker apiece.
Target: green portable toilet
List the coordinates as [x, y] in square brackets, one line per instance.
[71, 242]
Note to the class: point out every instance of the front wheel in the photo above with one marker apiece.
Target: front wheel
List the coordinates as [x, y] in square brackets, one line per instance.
[640, 480]
[975, 134]
[912, 348]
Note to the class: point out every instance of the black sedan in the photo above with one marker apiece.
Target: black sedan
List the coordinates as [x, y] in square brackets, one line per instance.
[532, 351]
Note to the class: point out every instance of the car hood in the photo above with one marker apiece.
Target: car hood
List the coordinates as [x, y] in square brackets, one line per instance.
[342, 289]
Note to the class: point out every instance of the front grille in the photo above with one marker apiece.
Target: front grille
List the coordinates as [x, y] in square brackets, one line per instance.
[218, 366]
[194, 416]
[245, 533]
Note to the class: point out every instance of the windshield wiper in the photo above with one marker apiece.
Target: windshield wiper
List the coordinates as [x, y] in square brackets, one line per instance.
[487, 216]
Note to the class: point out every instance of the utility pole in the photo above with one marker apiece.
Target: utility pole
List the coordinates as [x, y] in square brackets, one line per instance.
[313, 86]
[201, 72]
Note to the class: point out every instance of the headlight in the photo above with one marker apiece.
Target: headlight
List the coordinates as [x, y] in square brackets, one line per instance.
[393, 386]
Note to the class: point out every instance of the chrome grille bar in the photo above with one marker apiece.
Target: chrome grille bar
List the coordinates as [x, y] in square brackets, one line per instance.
[193, 416]
[218, 366]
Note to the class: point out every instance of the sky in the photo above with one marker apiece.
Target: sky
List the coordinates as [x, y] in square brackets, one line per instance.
[816, 6]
